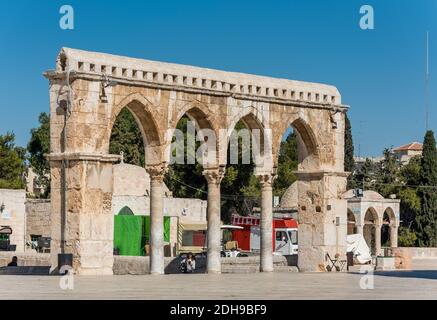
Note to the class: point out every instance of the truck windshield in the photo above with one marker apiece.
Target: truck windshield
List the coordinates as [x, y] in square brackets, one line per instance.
[293, 236]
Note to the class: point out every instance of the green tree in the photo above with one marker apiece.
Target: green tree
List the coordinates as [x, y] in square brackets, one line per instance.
[38, 147]
[365, 176]
[387, 177]
[349, 162]
[186, 180]
[406, 237]
[126, 137]
[240, 188]
[426, 220]
[12, 163]
[409, 176]
[287, 164]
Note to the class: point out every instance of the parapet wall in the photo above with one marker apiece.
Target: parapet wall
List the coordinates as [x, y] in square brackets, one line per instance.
[27, 259]
[421, 253]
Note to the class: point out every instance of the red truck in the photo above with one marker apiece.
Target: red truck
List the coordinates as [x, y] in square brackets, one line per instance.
[284, 235]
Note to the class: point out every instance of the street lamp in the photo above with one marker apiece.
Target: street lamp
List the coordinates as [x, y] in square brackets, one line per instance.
[105, 83]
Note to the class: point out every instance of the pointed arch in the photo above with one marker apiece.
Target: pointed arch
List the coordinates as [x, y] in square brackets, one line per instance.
[389, 216]
[200, 114]
[125, 211]
[308, 146]
[252, 122]
[197, 112]
[249, 116]
[351, 222]
[307, 135]
[371, 216]
[141, 108]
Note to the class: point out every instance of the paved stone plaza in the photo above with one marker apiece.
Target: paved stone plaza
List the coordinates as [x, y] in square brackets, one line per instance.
[418, 284]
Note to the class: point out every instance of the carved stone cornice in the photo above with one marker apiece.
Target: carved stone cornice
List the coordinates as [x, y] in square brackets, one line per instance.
[138, 72]
[214, 175]
[82, 156]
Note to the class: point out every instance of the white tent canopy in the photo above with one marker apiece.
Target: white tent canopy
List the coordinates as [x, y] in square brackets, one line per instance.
[357, 245]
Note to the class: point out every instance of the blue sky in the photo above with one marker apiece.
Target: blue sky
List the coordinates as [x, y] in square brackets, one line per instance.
[380, 72]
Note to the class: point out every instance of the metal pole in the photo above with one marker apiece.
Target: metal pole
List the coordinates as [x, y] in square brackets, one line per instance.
[427, 83]
[64, 167]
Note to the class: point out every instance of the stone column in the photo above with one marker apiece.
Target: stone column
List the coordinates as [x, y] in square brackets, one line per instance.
[87, 229]
[214, 176]
[393, 236]
[266, 223]
[377, 239]
[156, 237]
[322, 214]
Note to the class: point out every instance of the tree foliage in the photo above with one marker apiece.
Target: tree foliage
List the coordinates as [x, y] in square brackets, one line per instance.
[38, 147]
[388, 174]
[126, 137]
[12, 163]
[349, 162]
[240, 188]
[406, 237]
[365, 176]
[426, 220]
[186, 180]
[287, 164]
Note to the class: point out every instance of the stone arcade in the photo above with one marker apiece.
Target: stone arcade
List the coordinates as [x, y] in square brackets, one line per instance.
[159, 94]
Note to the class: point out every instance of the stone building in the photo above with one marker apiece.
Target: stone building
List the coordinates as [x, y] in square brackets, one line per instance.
[370, 214]
[406, 152]
[95, 87]
[37, 219]
[13, 215]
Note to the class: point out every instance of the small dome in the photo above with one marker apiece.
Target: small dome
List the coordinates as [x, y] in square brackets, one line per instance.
[289, 199]
[131, 180]
[367, 195]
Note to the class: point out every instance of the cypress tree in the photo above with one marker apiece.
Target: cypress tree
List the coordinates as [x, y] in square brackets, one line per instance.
[349, 162]
[426, 220]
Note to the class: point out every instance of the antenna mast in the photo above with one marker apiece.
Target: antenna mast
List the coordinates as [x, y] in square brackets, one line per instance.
[427, 82]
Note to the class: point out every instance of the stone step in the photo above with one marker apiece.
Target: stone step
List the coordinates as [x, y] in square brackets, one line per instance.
[238, 268]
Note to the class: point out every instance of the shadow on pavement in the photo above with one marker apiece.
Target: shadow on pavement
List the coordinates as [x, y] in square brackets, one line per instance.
[173, 266]
[424, 274]
[26, 270]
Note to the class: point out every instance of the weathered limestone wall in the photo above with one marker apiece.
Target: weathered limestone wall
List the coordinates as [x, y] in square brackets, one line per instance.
[37, 218]
[184, 208]
[14, 215]
[25, 259]
[131, 180]
[322, 219]
[87, 231]
[420, 253]
[140, 265]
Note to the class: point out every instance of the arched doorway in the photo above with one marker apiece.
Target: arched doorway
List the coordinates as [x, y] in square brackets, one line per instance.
[371, 230]
[351, 222]
[249, 177]
[305, 169]
[389, 229]
[125, 211]
[194, 172]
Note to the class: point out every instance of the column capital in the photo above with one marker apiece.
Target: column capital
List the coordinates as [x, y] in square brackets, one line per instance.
[214, 175]
[266, 179]
[157, 172]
